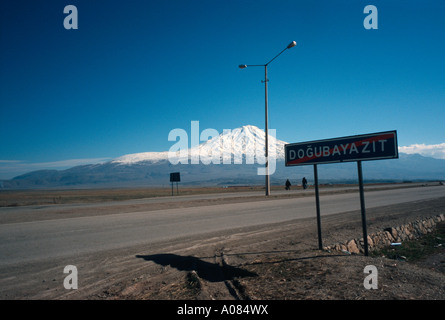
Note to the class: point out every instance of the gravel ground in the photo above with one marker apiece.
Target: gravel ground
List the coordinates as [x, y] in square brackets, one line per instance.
[282, 262]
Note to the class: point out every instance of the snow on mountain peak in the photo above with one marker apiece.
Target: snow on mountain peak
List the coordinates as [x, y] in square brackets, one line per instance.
[142, 156]
[246, 142]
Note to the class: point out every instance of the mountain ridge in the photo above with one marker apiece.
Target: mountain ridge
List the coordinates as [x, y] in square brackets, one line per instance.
[242, 147]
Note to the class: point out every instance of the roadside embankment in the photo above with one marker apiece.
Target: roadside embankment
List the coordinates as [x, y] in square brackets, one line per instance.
[393, 235]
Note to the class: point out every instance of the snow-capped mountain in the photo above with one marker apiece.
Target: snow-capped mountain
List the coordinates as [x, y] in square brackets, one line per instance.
[228, 158]
[240, 145]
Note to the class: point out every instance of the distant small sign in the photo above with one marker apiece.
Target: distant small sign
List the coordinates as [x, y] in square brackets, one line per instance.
[374, 146]
[175, 177]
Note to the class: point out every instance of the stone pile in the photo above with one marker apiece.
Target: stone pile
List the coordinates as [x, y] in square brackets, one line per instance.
[409, 231]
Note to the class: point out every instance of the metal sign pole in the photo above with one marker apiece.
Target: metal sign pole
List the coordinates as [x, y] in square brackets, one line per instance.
[317, 203]
[362, 205]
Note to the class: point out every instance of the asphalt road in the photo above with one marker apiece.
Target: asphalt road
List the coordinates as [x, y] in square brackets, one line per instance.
[37, 241]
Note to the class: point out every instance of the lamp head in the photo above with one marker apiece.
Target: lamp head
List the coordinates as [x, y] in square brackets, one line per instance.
[242, 66]
[292, 44]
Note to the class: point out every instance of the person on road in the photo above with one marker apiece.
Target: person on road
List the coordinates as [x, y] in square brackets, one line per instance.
[288, 184]
[304, 182]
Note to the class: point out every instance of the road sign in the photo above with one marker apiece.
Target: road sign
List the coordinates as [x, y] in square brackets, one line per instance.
[175, 177]
[373, 146]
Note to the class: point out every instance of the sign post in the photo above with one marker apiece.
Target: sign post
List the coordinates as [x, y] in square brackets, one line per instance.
[373, 146]
[362, 206]
[175, 177]
[317, 204]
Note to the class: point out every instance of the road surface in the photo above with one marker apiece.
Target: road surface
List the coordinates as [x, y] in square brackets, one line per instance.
[106, 241]
[26, 242]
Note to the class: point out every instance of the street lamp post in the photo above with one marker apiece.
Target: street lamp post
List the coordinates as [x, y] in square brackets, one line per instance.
[242, 66]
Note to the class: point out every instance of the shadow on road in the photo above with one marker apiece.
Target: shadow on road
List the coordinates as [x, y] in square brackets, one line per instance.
[211, 272]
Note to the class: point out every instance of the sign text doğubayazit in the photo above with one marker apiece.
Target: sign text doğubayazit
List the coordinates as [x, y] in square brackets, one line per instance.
[373, 146]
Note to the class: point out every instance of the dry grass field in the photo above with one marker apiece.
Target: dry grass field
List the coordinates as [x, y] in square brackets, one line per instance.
[12, 198]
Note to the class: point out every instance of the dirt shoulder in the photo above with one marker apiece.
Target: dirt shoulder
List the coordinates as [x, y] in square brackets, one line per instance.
[271, 262]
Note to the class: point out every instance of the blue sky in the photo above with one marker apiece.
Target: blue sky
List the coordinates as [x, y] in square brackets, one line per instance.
[134, 70]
